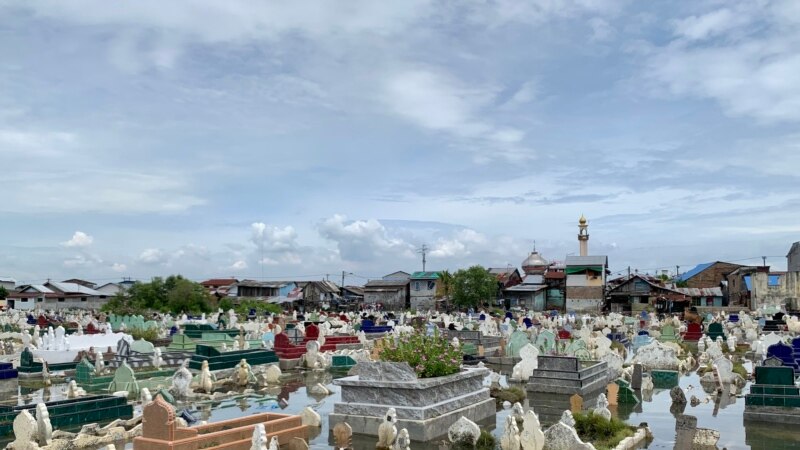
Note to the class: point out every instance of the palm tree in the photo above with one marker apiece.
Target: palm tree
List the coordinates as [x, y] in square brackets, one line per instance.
[445, 287]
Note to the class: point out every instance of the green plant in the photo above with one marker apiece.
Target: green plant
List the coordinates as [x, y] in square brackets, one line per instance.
[473, 287]
[148, 334]
[603, 433]
[429, 356]
[513, 394]
[485, 442]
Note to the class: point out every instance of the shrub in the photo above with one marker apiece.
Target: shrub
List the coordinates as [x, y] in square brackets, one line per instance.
[513, 394]
[599, 431]
[485, 442]
[148, 334]
[429, 356]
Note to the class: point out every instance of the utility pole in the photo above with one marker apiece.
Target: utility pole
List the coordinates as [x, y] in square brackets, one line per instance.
[677, 272]
[764, 259]
[629, 272]
[423, 250]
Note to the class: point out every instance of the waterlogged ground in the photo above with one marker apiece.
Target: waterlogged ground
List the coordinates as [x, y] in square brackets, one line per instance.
[292, 396]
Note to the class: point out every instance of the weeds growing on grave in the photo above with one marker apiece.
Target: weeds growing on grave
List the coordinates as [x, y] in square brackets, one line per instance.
[429, 356]
[603, 433]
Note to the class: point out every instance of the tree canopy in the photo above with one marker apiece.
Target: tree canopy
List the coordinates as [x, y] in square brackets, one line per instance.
[174, 294]
[473, 286]
[3, 292]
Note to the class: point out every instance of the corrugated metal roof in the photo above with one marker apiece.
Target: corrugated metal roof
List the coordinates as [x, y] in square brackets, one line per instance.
[526, 288]
[7, 280]
[73, 288]
[598, 260]
[385, 283]
[700, 292]
[699, 268]
[425, 275]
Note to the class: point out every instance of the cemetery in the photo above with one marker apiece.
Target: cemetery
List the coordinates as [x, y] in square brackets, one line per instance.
[427, 378]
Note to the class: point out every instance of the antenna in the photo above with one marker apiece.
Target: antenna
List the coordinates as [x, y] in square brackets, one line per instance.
[534, 245]
[423, 250]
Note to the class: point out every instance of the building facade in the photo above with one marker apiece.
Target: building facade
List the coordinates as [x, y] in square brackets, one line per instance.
[423, 287]
[586, 281]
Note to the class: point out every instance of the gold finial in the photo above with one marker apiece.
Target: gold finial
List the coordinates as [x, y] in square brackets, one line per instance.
[582, 220]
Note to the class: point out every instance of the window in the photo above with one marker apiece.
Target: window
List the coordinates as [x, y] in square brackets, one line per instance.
[431, 285]
[83, 299]
[40, 299]
[24, 300]
[416, 285]
[60, 299]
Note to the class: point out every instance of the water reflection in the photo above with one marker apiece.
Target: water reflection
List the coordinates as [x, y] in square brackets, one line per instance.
[656, 409]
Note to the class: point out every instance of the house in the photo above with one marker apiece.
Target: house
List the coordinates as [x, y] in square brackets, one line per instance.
[636, 293]
[353, 294]
[391, 291]
[256, 289]
[83, 283]
[219, 287]
[8, 283]
[423, 288]
[793, 258]
[56, 295]
[530, 294]
[506, 276]
[702, 296]
[755, 286]
[586, 281]
[707, 275]
[28, 297]
[319, 294]
[112, 289]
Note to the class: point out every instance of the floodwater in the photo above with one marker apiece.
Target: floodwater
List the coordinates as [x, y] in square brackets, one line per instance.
[725, 416]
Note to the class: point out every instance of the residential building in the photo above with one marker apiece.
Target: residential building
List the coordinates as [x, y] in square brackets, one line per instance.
[319, 294]
[83, 283]
[56, 295]
[112, 289]
[707, 275]
[703, 296]
[423, 287]
[8, 283]
[756, 286]
[530, 294]
[793, 258]
[390, 292]
[586, 280]
[256, 289]
[636, 293]
[219, 287]
[506, 276]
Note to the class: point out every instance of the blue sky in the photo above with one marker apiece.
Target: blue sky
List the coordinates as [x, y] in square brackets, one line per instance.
[290, 139]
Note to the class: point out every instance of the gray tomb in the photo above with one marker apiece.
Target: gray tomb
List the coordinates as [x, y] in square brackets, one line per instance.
[568, 375]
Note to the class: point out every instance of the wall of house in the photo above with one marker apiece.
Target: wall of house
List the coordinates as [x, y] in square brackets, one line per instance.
[712, 276]
[9, 285]
[423, 293]
[583, 279]
[390, 299]
[793, 258]
[585, 298]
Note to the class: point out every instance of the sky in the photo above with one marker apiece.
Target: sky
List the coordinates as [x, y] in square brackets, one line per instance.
[303, 139]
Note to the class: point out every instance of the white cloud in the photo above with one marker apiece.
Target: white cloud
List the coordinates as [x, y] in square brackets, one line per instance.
[363, 240]
[153, 256]
[83, 260]
[601, 29]
[711, 24]
[79, 239]
[744, 58]
[438, 101]
[238, 265]
[119, 267]
[273, 238]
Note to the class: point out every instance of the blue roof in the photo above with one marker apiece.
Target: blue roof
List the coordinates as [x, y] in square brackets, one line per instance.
[689, 274]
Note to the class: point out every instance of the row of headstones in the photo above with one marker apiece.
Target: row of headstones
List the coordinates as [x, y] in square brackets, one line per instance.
[128, 322]
[789, 355]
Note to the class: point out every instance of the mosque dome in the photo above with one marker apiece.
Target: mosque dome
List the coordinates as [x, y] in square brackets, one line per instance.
[534, 263]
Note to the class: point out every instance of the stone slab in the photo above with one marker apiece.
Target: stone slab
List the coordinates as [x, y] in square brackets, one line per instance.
[413, 412]
[419, 430]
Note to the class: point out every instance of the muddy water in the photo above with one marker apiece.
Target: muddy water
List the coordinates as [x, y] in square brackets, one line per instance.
[292, 396]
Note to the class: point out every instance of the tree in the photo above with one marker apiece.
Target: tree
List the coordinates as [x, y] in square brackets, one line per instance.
[445, 284]
[3, 292]
[473, 286]
[174, 294]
